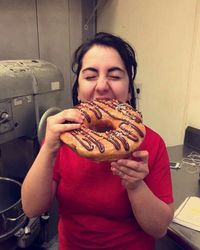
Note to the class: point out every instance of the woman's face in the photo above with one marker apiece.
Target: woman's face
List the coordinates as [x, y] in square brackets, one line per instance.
[103, 75]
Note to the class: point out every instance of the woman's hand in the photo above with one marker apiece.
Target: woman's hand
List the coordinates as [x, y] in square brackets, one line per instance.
[132, 172]
[65, 120]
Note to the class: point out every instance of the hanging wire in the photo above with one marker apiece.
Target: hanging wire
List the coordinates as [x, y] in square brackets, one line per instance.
[191, 163]
[92, 15]
[37, 27]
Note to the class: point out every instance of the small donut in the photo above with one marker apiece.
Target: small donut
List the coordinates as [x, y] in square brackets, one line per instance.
[111, 130]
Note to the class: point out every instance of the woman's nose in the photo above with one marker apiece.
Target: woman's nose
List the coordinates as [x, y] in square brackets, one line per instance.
[102, 84]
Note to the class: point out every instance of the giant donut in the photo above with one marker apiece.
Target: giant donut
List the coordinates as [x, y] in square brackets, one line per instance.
[111, 130]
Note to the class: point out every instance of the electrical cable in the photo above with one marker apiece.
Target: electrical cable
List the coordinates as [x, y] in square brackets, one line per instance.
[191, 163]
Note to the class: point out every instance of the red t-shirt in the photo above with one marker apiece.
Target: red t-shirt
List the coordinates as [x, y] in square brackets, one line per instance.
[95, 212]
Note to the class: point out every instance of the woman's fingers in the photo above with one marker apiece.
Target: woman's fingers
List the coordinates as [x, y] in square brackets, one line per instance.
[61, 128]
[65, 120]
[125, 170]
[141, 155]
[69, 115]
[132, 171]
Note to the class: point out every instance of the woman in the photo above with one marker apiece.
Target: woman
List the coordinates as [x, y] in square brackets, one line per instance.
[124, 204]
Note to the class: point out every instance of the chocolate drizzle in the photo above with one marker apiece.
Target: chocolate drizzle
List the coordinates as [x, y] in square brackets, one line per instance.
[122, 139]
[87, 117]
[96, 111]
[88, 146]
[132, 126]
[128, 119]
[130, 135]
[93, 140]
[109, 138]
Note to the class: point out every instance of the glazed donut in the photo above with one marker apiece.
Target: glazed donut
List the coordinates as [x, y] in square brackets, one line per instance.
[111, 130]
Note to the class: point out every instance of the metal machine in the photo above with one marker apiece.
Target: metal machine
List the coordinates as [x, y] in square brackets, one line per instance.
[28, 88]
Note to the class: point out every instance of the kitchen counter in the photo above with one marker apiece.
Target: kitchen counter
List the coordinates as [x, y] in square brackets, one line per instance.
[185, 184]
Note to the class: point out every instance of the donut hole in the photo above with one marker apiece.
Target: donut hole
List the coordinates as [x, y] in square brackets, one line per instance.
[101, 126]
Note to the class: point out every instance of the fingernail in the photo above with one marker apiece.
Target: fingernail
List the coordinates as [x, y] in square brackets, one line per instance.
[134, 154]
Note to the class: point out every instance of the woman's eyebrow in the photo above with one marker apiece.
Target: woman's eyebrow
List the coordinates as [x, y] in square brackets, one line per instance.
[90, 69]
[109, 70]
[116, 69]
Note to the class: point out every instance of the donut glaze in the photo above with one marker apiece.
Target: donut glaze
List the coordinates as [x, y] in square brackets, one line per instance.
[111, 130]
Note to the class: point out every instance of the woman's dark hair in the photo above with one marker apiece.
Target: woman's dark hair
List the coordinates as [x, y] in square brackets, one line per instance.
[126, 52]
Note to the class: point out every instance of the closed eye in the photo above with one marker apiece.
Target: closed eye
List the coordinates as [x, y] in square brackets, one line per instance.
[91, 78]
[114, 78]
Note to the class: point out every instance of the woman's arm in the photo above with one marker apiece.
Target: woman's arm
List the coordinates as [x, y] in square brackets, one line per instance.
[38, 188]
[152, 214]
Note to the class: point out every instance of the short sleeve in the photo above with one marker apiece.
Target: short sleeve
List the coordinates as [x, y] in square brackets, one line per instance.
[159, 178]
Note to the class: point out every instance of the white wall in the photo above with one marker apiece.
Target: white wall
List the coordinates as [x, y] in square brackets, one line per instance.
[164, 34]
[193, 111]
